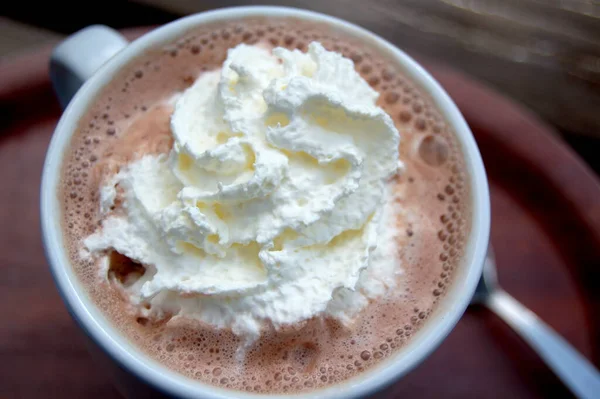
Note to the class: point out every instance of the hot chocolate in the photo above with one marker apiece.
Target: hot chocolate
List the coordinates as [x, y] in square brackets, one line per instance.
[201, 302]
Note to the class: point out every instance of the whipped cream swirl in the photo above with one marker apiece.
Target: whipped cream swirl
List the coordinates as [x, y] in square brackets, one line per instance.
[267, 210]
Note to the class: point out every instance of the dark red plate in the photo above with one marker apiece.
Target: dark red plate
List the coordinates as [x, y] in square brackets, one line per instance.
[545, 229]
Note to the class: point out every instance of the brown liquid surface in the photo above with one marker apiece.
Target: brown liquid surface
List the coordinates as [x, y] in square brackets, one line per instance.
[130, 119]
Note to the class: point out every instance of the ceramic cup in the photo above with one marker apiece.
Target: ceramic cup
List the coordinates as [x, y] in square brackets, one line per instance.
[85, 63]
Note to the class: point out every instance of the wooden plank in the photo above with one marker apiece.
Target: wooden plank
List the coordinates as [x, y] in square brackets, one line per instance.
[16, 37]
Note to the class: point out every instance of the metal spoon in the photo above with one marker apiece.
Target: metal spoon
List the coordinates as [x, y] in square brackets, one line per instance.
[570, 366]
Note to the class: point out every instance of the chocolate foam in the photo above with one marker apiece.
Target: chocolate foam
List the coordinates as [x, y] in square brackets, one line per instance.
[130, 118]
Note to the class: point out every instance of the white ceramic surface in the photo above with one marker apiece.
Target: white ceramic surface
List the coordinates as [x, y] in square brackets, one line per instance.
[124, 354]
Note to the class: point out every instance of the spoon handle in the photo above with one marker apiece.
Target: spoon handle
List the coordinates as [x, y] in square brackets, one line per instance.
[569, 365]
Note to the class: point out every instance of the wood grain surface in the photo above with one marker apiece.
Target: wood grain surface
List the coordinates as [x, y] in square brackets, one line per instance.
[545, 229]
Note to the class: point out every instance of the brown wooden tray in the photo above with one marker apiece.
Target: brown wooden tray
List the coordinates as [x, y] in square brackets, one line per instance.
[545, 229]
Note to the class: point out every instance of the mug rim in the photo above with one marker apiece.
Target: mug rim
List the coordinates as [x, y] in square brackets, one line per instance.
[107, 337]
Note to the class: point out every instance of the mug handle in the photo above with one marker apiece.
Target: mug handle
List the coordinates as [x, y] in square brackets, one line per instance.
[80, 55]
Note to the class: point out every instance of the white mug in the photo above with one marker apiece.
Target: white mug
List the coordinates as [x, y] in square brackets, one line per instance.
[90, 59]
